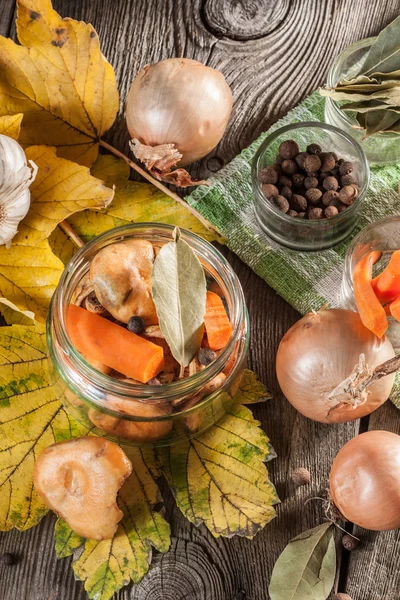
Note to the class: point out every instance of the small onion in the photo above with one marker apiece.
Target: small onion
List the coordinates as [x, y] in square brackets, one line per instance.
[178, 110]
[319, 353]
[365, 482]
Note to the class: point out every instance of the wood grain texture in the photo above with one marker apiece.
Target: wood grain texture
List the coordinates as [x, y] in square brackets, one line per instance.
[273, 54]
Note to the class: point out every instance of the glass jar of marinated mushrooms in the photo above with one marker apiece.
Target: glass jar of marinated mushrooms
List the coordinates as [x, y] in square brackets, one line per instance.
[167, 409]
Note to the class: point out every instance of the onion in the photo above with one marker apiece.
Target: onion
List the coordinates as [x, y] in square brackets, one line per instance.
[365, 482]
[323, 362]
[177, 111]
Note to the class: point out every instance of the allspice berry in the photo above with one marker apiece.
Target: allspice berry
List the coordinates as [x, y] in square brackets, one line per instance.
[331, 211]
[330, 183]
[298, 203]
[298, 180]
[314, 149]
[341, 596]
[310, 182]
[284, 180]
[268, 175]
[330, 197]
[281, 203]
[349, 542]
[289, 166]
[348, 194]
[286, 192]
[300, 159]
[301, 476]
[269, 190]
[348, 179]
[312, 163]
[7, 559]
[328, 161]
[289, 149]
[313, 195]
[292, 213]
[315, 214]
[301, 215]
[346, 167]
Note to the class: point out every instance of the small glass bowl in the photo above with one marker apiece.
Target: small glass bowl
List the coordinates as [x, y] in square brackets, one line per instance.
[301, 234]
[384, 236]
[381, 148]
[138, 414]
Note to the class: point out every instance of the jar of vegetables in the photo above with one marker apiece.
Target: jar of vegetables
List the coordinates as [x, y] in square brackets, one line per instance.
[110, 361]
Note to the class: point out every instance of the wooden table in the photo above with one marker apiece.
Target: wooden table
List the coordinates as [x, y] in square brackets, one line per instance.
[273, 54]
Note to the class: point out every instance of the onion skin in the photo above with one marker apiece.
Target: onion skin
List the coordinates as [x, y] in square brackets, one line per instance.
[318, 353]
[365, 481]
[179, 101]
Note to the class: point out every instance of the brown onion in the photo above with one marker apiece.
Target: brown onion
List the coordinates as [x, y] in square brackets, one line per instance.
[365, 481]
[179, 103]
[320, 352]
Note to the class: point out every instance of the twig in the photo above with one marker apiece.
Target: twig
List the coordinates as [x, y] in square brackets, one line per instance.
[162, 187]
[67, 229]
[387, 368]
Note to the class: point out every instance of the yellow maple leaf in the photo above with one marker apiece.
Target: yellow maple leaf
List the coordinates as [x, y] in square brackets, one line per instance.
[60, 80]
[29, 271]
[11, 125]
[107, 566]
[133, 203]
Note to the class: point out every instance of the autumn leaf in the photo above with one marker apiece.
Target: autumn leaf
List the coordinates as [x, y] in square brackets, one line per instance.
[12, 315]
[60, 80]
[107, 566]
[133, 202]
[11, 125]
[29, 271]
[251, 390]
[219, 477]
[31, 418]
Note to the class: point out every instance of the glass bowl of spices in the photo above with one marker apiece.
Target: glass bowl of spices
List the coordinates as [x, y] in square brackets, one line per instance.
[383, 238]
[309, 184]
[380, 148]
[110, 363]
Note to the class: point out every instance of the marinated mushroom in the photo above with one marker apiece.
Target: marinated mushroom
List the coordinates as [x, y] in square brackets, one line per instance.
[80, 478]
[121, 277]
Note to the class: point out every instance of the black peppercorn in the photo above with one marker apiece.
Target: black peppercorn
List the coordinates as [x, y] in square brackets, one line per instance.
[7, 559]
[330, 183]
[328, 161]
[315, 213]
[314, 149]
[206, 356]
[268, 175]
[312, 163]
[331, 211]
[348, 194]
[346, 167]
[136, 325]
[284, 180]
[289, 166]
[310, 182]
[348, 179]
[300, 158]
[281, 203]
[298, 180]
[349, 542]
[269, 190]
[288, 149]
[292, 213]
[313, 196]
[298, 203]
[330, 198]
[286, 192]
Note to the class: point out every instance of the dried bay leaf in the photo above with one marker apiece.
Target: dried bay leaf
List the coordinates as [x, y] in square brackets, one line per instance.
[60, 80]
[306, 568]
[179, 292]
[384, 54]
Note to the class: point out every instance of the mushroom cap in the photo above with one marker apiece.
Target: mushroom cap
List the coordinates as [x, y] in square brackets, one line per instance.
[121, 277]
[80, 478]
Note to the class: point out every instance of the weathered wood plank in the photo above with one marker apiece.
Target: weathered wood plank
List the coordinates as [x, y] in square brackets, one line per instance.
[268, 75]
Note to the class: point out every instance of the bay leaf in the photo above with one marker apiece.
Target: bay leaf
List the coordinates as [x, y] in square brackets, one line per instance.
[368, 106]
[340, 94]
[379, 121]
[385, 76]
[306, 568]
[179, 292]
[384, 54]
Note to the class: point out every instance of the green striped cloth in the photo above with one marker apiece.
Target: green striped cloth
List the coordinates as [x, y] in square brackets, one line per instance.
[306, 280]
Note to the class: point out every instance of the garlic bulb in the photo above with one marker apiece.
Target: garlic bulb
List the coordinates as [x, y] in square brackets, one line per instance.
[15, 178]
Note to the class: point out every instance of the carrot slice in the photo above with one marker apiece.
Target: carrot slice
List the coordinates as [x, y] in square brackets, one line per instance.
[112, 345]
[387, 284]
[218, 326]
[371, 311]
[393, 309]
